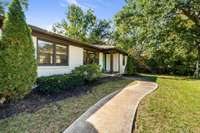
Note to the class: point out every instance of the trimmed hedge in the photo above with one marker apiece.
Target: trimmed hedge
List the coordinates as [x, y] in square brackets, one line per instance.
[78, 77]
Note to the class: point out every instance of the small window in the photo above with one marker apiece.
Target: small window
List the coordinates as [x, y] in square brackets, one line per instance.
[124, 60]
[52, 54]
[45, 53]
[61, 54]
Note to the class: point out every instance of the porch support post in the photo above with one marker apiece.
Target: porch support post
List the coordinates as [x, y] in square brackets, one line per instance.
[119, 63]
[111, 62]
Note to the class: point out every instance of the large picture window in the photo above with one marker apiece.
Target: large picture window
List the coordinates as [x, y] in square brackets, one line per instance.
[52, 54]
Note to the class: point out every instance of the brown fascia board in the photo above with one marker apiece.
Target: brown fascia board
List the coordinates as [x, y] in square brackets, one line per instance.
[42, 33]
[115, 50]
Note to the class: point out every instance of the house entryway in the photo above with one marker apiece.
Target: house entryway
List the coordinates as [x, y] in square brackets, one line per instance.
[111, 63]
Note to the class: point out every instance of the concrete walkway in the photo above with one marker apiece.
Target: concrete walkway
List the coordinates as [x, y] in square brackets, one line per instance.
[116, 115]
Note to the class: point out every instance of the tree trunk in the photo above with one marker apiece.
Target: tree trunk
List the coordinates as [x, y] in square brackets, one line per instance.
[197, 71]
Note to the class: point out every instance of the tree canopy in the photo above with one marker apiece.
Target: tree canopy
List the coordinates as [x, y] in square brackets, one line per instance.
[165, 33]
[83, 26]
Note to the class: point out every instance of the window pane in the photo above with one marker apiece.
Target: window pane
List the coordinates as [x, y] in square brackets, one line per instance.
[45, 52]
[61, 54]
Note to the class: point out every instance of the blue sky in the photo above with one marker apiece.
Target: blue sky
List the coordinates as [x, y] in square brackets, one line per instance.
[44, 13]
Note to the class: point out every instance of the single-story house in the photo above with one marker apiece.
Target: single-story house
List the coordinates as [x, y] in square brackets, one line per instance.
[57, 54]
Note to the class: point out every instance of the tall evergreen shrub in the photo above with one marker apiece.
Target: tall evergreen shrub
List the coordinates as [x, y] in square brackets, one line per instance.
[17, 61]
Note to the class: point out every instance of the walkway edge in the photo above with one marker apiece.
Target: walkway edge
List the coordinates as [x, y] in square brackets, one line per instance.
[138, 103]
[77, 124]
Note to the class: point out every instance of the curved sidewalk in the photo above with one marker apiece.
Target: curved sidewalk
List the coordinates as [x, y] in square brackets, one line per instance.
[117, 115]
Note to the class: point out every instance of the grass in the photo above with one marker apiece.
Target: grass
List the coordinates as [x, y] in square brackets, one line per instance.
[173, 108]
[55, 117]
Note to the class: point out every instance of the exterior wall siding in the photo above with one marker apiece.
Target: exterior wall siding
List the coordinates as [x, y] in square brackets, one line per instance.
[35, 45]
[108, 62]
[75, 57]
[101, 60]
[122, 67]
[115, 62]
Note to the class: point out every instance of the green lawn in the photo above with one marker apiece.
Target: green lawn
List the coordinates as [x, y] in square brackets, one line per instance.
[173, 108]
[55, 117]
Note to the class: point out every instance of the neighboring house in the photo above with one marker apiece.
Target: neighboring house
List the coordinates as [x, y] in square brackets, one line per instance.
[57, 54]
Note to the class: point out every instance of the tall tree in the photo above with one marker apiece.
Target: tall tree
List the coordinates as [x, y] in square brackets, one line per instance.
[101, 32]
[83, 26]
[17, 61]
[3, 4]
[78, 23]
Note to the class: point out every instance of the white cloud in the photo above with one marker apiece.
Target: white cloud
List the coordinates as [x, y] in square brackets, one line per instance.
[70, 2]
[85, 6]
[64, 3]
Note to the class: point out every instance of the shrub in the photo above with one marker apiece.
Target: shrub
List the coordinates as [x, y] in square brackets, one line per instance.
[87, 72]
[130, 66]
[78, 77]
[17, 61]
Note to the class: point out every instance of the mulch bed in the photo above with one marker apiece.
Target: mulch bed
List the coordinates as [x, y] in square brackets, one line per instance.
[35, 101]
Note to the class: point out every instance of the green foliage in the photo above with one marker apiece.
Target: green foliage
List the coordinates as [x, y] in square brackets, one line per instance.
[100, 32]
[165, 31]
[17, 61]
[78, 23]
[130, 66]
[58, 83]
[88, 72]
[83, 26]
[78, 77]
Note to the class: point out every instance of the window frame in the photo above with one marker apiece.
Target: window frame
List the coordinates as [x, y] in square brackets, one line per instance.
[54, 53]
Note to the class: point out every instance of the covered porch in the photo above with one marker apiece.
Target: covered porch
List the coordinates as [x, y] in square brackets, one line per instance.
[112, 62]
[110, 58]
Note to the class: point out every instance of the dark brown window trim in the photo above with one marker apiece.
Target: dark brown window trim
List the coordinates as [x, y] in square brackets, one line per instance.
[54, 52]
[124, 60]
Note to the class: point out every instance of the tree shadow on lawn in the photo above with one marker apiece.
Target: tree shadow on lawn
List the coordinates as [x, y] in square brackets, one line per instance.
[143, 77]
[154, 77]
[35, 101]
